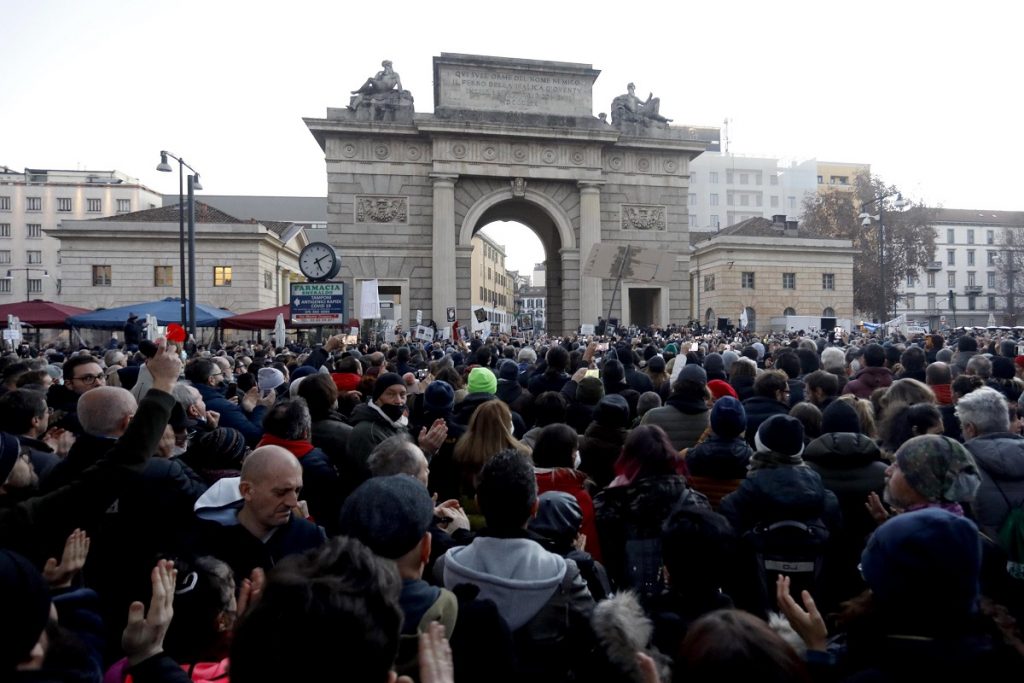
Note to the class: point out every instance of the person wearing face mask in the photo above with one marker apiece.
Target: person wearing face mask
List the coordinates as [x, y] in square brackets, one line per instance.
[384, 416]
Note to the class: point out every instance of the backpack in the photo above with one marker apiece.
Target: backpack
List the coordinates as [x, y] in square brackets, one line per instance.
[1011, 536]
[790, 547]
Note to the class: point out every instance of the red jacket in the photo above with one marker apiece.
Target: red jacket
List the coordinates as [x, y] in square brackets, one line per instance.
[572, 482]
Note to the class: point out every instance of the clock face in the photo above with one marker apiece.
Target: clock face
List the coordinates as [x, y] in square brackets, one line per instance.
[318, 261]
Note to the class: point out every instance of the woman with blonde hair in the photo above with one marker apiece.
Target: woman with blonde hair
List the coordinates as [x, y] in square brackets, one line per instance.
[865, 413]
[489, 432]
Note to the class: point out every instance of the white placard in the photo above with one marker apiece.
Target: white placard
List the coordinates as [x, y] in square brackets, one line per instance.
[419, 317]
[369, 301]
[587, 330]
[446, 333]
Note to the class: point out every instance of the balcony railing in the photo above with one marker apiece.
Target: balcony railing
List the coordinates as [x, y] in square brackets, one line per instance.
[935, 265]
[972, 289]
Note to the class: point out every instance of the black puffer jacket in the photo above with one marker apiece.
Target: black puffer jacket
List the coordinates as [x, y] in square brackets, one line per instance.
[781, 493]
[719, 458]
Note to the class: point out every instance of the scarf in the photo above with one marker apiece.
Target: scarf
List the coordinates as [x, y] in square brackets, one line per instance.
[297, 448]
[943, 394]
[948, 507]
[769, 460]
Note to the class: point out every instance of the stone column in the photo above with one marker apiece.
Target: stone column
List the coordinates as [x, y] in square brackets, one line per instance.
[590, 234]
[443, 266]
[283, 287]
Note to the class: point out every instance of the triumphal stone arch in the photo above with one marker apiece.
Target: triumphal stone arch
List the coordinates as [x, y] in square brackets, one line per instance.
[509, 139]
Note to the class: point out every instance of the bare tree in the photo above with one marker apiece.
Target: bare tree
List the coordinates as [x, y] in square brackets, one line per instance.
[909, 238]
[1009, 273]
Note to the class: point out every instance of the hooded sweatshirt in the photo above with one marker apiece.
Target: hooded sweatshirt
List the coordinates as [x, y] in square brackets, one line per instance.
[516, 573]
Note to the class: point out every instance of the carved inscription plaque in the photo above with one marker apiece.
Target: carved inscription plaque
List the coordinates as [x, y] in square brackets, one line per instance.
[643, 217]
[377, 209]
[514, 85]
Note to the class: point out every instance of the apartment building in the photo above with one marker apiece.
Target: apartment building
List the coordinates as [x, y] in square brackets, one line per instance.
[33, 202]
[493, 290]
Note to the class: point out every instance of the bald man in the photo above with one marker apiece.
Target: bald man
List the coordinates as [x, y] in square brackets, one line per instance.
[254, 520]
[104, 414]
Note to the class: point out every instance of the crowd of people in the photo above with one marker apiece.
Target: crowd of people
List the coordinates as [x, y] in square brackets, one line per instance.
[658, 506]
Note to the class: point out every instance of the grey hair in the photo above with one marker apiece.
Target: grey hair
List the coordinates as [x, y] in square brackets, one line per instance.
[395, 455]
[980, 366]
[101, 410]
[986, 409]
[833, 358]
[182, 394]
[527, 355]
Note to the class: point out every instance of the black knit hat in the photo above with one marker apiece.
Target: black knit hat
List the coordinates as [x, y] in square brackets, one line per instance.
[388, 379]
[612, 411]
[26, 601]
[388, 514]
[781, 434]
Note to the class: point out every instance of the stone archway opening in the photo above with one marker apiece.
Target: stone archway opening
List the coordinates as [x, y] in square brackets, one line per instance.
[524, 277]
[545, 308]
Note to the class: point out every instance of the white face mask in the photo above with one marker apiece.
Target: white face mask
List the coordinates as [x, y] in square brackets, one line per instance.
[576, 460]
[178, 450]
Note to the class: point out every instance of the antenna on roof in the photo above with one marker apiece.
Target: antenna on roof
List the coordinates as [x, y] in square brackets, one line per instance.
[725, 125]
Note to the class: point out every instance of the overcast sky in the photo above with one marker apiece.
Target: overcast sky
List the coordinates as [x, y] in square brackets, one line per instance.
[927, 93]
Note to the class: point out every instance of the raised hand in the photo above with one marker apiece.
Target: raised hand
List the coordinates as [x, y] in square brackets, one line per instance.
[807, 622]
[143, 637]
[76, 550]
[876, 509]
[251, 590]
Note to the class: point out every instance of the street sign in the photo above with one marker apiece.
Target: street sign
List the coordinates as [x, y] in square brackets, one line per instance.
[318, 303]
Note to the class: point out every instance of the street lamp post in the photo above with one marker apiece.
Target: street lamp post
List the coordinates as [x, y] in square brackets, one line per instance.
[866, 219]
[952, 306]
[28, 278]
[188, 318]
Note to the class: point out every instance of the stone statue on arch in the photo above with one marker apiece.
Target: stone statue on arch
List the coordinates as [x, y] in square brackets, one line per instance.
[629, 108]
[381, 97]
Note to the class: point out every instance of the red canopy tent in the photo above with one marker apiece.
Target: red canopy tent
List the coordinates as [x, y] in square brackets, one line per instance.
[261, 320]
[40, 313]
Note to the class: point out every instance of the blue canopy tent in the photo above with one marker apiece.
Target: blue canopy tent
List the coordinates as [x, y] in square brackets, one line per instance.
[166, 311]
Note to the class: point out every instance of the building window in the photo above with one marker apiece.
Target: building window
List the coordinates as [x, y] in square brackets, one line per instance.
[730, 199]
[728, 177]
[990, 237]
[931, 301]
[773, 179]
[972, 302]
[970, 278]
[828, 280]
[970, 236]
[744, 178]
[34, 257]
[268, 280]
[910, 302]
[950, 257]
[35, 286]
[713, 200]
[33, 203]
[124, 205]
[5, 203]
[991, 280]
[692, 199]
[931, 280]
[910, 279]
[94, 205]
[747, 280]
[222, 276]
[951, 278]
[693, 220]
[789, 311]
[791, 201]
[713, 177]
[5, 286]
[101, 276]
[775, 201]
[789, 280]
[5, 229]
[744, 200]
[949, 235]
[64, 204]
[5, 256]
[991, 302]
[34, 231]
[714, 220]
[970, 257]
[163, 276]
